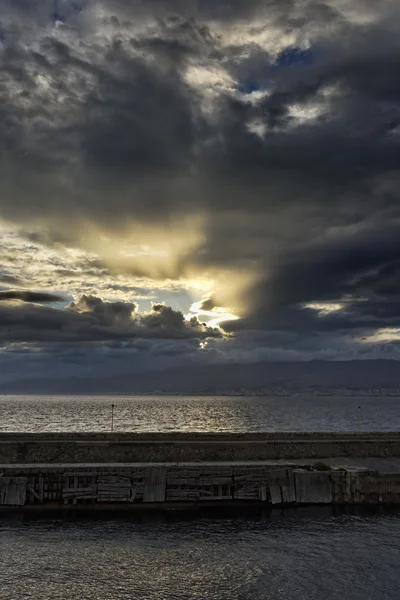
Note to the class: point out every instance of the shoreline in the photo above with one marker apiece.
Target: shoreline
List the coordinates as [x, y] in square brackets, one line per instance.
[304, 393]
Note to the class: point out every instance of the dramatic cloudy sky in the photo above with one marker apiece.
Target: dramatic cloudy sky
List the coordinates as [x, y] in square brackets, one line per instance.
[197, 180]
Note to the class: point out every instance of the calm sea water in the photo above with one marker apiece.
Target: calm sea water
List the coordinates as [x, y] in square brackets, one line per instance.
[180, 413]
[301, 556]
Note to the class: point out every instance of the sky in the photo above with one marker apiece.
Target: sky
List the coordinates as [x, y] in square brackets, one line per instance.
[197, 181]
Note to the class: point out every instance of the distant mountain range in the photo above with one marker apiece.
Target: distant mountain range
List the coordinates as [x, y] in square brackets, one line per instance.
[226, 378]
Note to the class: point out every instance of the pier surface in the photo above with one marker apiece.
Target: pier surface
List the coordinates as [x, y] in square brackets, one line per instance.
[127, 447]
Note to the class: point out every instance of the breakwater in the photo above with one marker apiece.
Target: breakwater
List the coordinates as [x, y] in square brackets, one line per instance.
[193, 447]
[141, 485]
[125, 470]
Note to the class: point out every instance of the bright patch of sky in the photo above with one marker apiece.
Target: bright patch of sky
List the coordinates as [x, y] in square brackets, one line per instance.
[386, 334]
[289, 57]
[70, 271]
[325, 308]
[213, 317]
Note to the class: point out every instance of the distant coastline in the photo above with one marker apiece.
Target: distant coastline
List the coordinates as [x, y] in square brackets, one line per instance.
[313, 378]
[264, 393]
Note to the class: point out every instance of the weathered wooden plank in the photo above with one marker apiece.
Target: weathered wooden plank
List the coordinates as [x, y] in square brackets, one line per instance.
[155, 484]
[215, 481]
[281, 485]
[275, 493]
[31, 490]
[216, 498]
[182, 481]
[263, 492]
[313, 487]
[247, 493]
[92, 473]
[288, 493]
[41, 485]
[247, 484]
[250, 478]
[116, 480]
[122, 497]
[79, 497]
[113, 498]
[206, 493]
[112, 487]
[13, 490]
[79, 491]
[172, 497]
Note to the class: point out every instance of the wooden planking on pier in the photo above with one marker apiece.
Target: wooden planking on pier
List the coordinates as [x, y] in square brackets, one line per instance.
[79, 486]
[272, 484]
[313, 487]
[13, 490]
[216, 483]
[114, 488]
[281, 486]
[52, 486]
[155, 484]
[202, 483]
[182, 484]
[137, 478]
[248, 483]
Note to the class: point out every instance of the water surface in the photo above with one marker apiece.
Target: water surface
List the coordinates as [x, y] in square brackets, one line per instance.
[195, 413]
[299, 555]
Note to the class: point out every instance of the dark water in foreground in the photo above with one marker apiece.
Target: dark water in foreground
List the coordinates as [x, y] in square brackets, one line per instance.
[199, 413]
[291, 555]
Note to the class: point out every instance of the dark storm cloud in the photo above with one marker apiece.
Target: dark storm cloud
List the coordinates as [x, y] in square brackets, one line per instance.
[286, 13]
[122, 123]
[118, 136]
[328, 270]
[90, 319]
[207, 304]
[126, 117]
[28, 296]
[357, 270]
[298, 184]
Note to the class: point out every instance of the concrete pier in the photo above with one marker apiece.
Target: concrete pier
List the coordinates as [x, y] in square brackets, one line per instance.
[132, 471]
[196, 447]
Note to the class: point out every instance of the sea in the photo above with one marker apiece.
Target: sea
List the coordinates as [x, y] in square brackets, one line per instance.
[319, 553]
[199, 413]
[303, 554]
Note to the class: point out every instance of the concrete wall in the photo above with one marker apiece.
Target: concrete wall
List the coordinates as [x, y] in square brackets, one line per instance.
[129, 448]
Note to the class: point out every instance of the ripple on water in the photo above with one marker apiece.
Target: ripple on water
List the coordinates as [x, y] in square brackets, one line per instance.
[303, 555]
[196, 413]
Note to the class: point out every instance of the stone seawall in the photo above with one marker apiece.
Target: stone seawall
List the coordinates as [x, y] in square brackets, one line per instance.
[175, 447]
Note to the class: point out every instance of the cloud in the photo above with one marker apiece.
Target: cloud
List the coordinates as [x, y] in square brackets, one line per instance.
[249, 145]
[28, 296]
[207, 304]
[107, 312]
[10, 279]
[93, 320]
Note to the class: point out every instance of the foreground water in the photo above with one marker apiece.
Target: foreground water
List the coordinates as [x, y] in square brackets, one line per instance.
[185, 413]
[291, 555]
